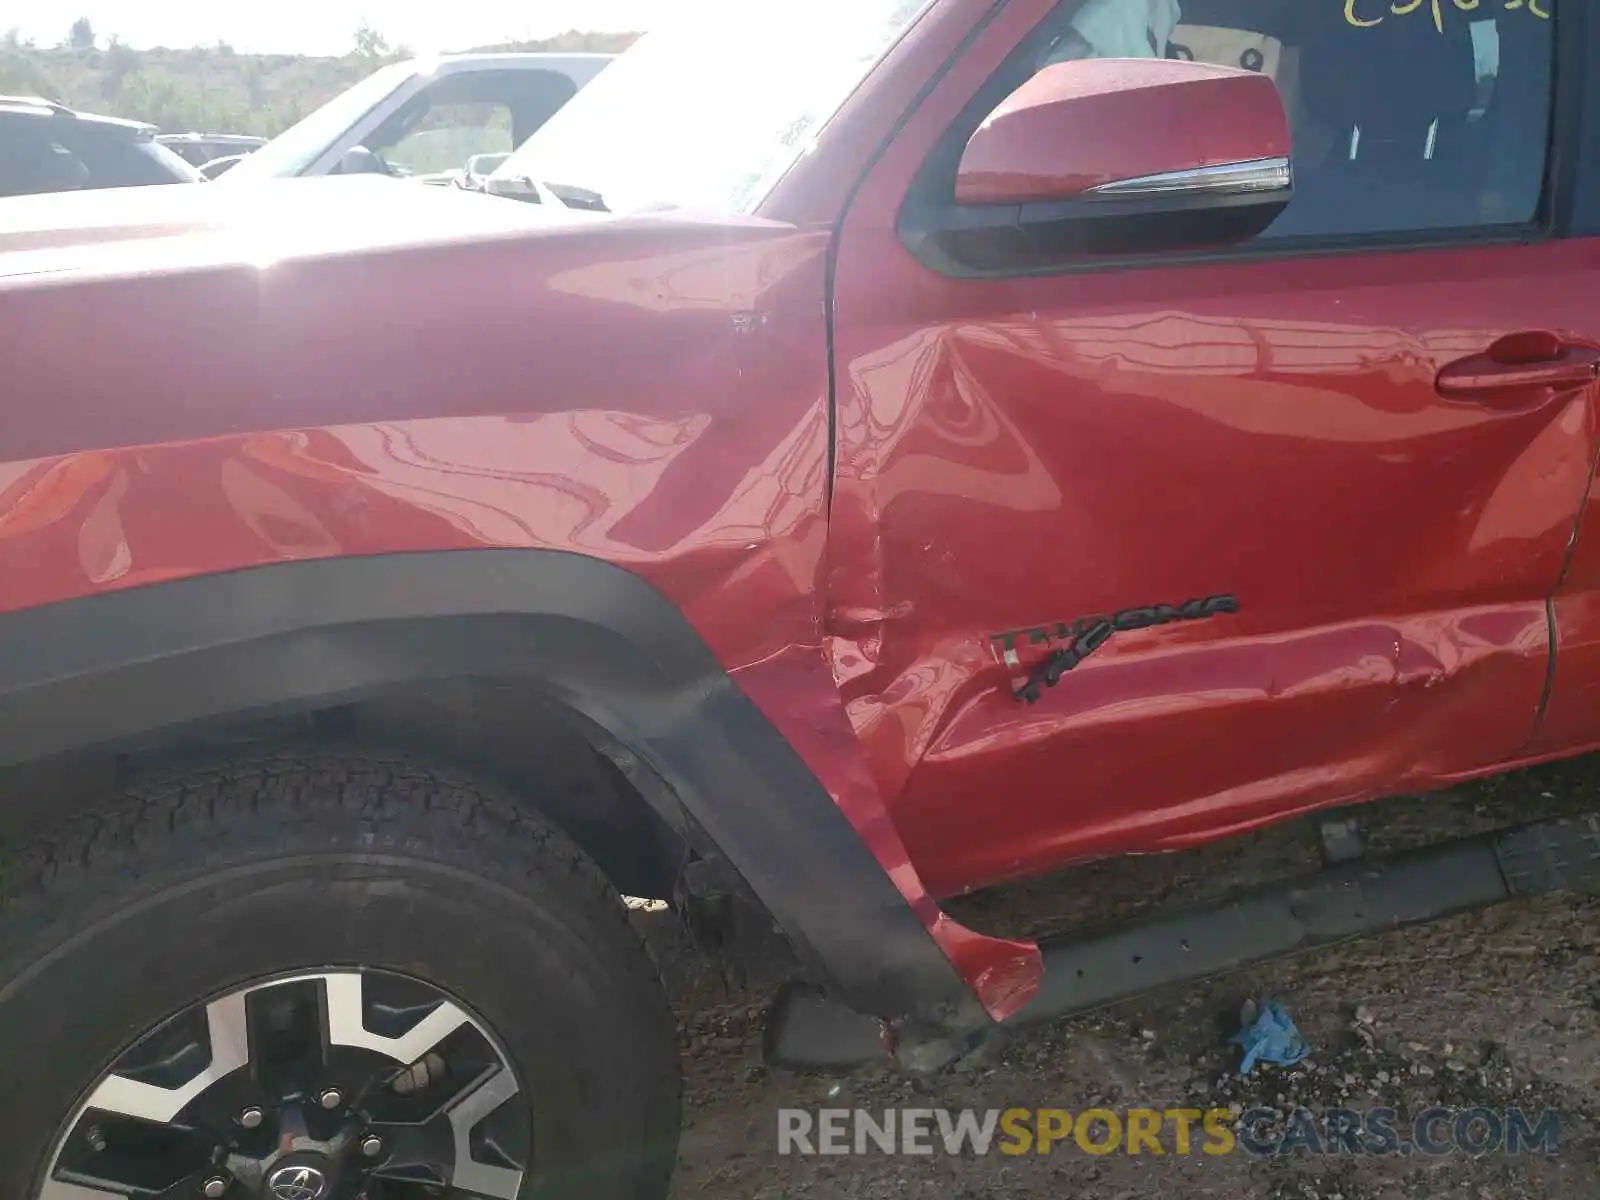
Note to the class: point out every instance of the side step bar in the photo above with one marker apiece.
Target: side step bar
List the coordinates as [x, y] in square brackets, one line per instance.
[1349, 899]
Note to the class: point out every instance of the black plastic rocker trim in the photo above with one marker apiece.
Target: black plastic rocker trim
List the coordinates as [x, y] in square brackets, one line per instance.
[1345, 901]
[1350, 899]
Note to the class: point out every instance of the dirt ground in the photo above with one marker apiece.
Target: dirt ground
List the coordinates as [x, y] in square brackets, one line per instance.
[1499, 1009]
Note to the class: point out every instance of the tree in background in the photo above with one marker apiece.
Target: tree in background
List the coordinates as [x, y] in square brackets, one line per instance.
[255, 92]
[81, 36]
[20, 70]
[370, 43]
[120, 62]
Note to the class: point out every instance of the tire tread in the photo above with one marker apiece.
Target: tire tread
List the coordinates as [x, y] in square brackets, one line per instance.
[204, 807]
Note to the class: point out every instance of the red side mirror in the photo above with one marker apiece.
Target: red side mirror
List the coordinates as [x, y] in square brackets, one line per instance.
[1113, 157]
[1097, 126]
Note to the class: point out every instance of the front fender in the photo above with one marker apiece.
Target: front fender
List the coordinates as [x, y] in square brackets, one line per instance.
[596, 637]
[602, 466]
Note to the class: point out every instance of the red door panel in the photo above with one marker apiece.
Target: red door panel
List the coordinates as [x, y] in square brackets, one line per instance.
[1268, 431]
[1018, 453]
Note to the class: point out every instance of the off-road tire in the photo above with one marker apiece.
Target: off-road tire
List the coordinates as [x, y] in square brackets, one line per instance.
[200, 881]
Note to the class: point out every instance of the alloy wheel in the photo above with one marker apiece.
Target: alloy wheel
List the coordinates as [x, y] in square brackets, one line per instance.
[344, 1084]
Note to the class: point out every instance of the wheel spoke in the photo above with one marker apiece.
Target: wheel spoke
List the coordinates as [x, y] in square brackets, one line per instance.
[127, 1156]
[288, 1033]
[347, 1023]
[472, 1176]
[412, 1153]
[226, 1024]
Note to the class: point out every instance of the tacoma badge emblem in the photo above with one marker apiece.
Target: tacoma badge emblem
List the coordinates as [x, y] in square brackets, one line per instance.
[297, 1183]
[1087, 634]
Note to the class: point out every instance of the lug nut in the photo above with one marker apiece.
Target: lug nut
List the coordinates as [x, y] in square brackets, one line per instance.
[372, 1145]
[215, 1187]
[96, 1138]
[250, 1118]
[331, 1098]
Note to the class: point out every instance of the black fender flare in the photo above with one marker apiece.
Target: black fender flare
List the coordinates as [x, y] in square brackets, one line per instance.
[600, 639]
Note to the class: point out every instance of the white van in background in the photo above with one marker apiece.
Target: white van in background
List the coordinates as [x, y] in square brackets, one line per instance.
[422, 118]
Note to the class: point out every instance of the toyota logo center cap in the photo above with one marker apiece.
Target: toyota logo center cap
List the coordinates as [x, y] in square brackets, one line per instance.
[297, 1183]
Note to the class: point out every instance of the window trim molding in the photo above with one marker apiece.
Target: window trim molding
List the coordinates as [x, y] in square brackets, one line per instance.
[1577, 90]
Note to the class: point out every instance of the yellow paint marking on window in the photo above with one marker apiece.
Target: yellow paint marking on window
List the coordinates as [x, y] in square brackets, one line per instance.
[1351, 16]
[1353, 13]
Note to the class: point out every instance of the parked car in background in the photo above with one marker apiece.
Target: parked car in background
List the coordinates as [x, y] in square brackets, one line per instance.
[425, 117]
[198, 149]
[47, 147]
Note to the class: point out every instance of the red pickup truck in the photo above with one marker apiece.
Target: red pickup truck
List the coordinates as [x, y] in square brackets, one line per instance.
[895, 447]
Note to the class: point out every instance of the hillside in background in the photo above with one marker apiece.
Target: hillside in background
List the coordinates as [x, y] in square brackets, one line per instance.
[213, 89]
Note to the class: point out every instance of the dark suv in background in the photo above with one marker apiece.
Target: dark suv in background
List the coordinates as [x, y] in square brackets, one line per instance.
[46, 147]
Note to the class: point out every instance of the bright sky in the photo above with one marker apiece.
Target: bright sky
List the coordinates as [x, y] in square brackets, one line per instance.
[324, 26]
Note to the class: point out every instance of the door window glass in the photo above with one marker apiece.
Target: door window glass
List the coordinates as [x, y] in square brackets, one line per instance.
[1407, 115]
[447, 136]
[462, 115]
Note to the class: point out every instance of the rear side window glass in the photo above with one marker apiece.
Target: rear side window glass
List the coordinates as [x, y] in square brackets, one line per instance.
[115, 160]
[1407, 115]
[62, 154]
[32, 161]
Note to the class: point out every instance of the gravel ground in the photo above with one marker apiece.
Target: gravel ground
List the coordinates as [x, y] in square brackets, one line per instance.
[1499, 1009]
